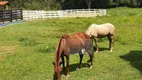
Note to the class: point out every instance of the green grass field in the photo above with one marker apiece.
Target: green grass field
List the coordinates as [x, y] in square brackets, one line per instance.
[27, 49]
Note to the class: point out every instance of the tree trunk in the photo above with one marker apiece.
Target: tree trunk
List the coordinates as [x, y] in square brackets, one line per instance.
[89, 3]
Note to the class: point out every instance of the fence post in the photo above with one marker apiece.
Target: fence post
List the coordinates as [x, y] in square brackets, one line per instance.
[2, 17]
[104, 11]
[21, 11]
[16, 12]
[10, 16]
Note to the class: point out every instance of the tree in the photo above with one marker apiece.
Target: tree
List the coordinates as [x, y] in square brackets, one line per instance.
[89, 3]
[61, 2]
[70, 4]
[34, 4]
[139, 3]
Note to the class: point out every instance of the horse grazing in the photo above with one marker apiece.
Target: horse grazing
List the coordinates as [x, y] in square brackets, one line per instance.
[71, 44]
[100, 31]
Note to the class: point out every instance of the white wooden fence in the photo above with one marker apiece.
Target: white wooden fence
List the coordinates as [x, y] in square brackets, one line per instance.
[36, 14]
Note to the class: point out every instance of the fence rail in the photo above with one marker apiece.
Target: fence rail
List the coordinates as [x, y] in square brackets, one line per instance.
[10, 15]
[35, 14]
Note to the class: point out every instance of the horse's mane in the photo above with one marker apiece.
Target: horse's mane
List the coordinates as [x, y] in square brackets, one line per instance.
[58, 54]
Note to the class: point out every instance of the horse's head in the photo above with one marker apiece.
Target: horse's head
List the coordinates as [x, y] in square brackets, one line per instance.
[57, 70]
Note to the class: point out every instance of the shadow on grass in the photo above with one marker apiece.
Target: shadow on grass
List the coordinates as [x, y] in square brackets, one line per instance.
[101, 49]
[135, 59]
[73, 67]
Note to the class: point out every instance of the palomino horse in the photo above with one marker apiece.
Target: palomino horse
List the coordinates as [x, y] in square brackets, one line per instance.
[100, 31]
[70, 44]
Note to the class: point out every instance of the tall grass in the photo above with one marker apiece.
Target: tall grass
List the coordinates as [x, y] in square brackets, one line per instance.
[27, 49]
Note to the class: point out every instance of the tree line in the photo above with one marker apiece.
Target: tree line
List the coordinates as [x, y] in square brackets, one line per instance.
[71, 4]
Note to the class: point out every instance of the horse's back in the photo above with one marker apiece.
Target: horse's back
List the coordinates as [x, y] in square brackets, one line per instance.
[100, 30]
[77, 38]
[76, 42]
[109, 25]
[111, 28]
[81, 35]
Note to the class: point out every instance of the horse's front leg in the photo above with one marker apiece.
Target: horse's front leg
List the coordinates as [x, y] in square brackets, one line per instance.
[96, 44]
[67, 65]
[81, 57]
[63, 62]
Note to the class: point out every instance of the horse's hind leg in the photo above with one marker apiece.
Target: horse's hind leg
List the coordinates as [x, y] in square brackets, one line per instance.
[81, 57]
[91, 55]
[63, 62]
[111, 41]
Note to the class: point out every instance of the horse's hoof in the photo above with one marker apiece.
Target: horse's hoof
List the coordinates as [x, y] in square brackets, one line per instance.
[77, 68]
[96, 51]
[67, 76]
[111, 50]
[91, 67]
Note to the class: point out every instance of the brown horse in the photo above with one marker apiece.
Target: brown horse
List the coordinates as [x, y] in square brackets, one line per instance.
[70, 44]
[100, 31]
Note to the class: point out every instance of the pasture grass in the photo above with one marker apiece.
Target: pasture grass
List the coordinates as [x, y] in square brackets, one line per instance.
[27, 49]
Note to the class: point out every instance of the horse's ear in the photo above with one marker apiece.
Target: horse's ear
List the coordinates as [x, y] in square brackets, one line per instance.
[53, 63]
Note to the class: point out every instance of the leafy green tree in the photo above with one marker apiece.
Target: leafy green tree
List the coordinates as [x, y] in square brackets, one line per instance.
[70, 4]
[34, 4]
